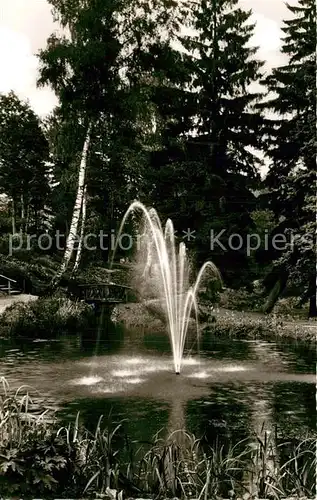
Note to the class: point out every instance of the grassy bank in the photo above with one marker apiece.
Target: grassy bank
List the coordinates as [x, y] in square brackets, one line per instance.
[45, 318]
[253, 326]
[222, 323]
[39, 457]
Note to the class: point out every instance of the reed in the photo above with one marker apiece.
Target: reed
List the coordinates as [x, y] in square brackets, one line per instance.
[40, 457]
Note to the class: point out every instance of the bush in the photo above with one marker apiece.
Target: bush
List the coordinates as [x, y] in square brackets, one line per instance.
[46, 317]
[229, 325]
[31, 274]
[289, 307]
[101, 275]
[33, 457]
[244, 300]
[241, 300]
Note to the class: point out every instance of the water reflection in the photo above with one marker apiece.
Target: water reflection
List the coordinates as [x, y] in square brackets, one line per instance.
[224, 416]
[225, 394]
[294, 408]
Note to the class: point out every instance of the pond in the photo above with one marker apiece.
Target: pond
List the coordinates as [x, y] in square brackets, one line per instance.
[226, 392]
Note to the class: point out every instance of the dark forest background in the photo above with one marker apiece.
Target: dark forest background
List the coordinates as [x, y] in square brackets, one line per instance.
[182, 118]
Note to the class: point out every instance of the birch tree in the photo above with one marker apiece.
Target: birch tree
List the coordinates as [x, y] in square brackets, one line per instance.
[82, 232]
[72, 235]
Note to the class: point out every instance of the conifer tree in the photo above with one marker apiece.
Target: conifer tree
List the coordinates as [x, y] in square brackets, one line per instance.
[205, 173]
[292, 149]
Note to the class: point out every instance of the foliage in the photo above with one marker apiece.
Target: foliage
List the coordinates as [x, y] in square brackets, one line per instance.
[291, 307]
[203, 173]
[32, 458]
[46, 317]
[241, 300]
[31, 271]
[23, 156]
[291, 146]
[107, 92]
[72, 461]
[177, 122]
[246, 300]
[252, 326]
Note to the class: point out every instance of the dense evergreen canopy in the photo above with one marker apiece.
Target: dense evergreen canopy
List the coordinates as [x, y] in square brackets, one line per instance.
[292, 148]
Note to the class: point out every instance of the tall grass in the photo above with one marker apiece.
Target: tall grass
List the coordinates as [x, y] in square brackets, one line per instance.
[181, 466]
[39, 457]
[15, 418]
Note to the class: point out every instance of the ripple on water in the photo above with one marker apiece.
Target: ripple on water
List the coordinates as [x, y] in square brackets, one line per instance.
[191, 362]
[233, 368]
[135, 380]
[123, 373]
[94, 379]
[136, 361]
[201, 375]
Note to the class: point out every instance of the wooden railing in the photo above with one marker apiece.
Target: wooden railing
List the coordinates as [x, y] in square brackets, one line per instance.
[110, 293]
[9, 285]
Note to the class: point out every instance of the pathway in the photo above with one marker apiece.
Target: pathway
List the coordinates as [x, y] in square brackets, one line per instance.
[7, 301]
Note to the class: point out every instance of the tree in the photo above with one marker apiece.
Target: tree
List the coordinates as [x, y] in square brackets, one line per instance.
[82, 231]
[95, 73]
[205, 171]
[292, 149]
[78, 209]
[23, 161]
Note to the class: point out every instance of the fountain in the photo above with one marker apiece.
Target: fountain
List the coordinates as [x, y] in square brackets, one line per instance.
[171, 275]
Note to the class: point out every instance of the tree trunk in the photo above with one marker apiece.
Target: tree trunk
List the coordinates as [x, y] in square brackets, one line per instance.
[312, 307]
[275, 293]
[82, 231]
[22, 214]
[14, 227]
[27, 218]
[72, 235]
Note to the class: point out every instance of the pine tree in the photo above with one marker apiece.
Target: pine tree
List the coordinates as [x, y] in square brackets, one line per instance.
[206, 169]
[292, 149]
[223, 68]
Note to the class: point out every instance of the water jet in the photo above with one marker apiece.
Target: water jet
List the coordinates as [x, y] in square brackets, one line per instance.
[167, 273]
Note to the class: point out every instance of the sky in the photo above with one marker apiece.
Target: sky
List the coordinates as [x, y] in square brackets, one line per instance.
[26, 24]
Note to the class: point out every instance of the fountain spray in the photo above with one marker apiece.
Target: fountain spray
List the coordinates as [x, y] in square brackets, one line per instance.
[172, 276]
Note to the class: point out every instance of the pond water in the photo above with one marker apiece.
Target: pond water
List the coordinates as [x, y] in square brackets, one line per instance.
[225, 393]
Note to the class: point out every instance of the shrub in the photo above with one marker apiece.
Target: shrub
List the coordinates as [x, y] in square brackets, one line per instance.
[289, 307]
[46, 317]
[241, 300]
[33, 457]
[31, 275]
[245, 300]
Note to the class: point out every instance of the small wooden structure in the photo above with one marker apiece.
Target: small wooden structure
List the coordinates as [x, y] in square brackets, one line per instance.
[9, 286]
[108, 293]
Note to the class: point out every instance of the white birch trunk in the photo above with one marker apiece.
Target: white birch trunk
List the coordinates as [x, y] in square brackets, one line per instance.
[22, 214]
[72, 235]
[82, 231]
